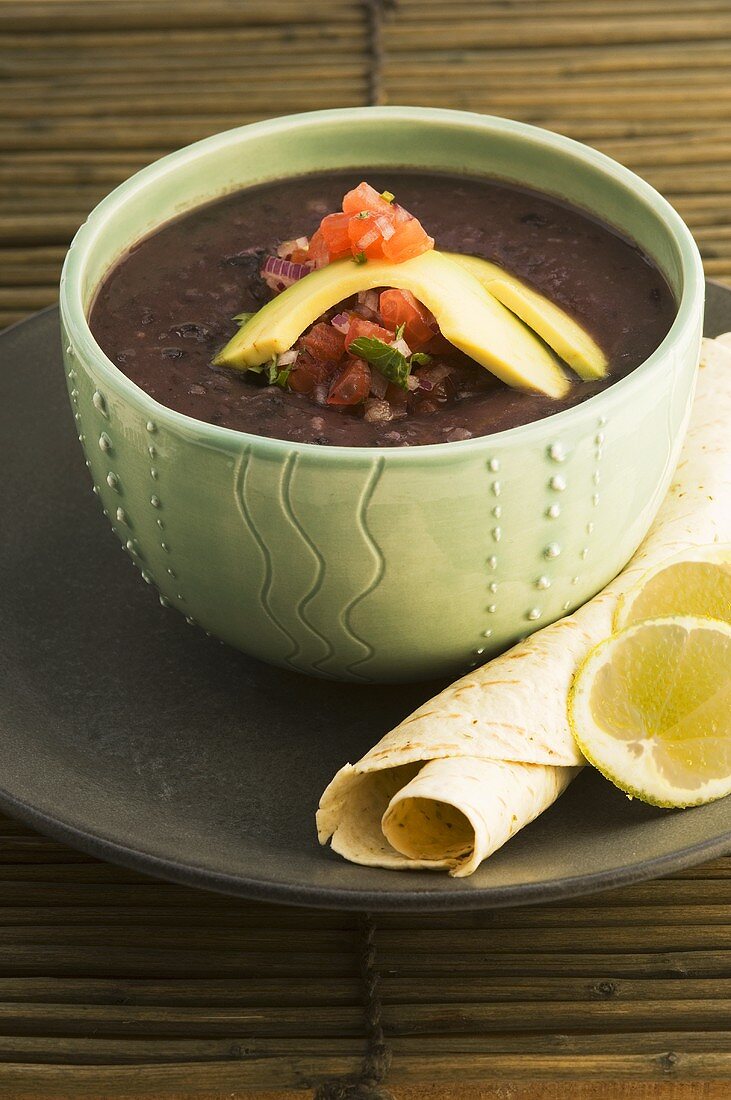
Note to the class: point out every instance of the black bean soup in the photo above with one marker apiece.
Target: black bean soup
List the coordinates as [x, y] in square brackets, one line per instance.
[168, 306]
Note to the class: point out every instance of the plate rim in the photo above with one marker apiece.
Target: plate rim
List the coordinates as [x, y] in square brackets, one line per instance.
[347, 899]
[373, 901]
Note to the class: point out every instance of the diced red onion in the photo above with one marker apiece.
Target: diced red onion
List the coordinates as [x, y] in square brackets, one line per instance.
[369, 299]
[425, 385]
[412, 382]
[287, 358]
[434, 373]
[341, 322]
[320, 394]
[366, 313]
[286, 249]
[385, 227]
[402, 346]
[278, 273]
[369, 237]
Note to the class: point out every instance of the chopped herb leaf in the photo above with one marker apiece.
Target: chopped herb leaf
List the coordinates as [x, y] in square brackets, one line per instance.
[388, 196]
[360, 258]
[387, 360]
[399, 333]
[420, 359]
[363, 214]
[275, 375]
[243, 318]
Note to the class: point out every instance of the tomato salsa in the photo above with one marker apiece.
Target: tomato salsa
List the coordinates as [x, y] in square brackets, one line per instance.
[374, 369]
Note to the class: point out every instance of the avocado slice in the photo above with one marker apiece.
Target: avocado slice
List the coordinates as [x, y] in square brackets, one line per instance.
[471, 319]
[562, 333]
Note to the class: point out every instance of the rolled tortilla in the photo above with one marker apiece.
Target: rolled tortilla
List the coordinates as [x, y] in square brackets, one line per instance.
[472, 766]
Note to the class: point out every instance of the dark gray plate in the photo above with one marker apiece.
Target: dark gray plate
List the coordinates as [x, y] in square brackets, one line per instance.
[133, 736]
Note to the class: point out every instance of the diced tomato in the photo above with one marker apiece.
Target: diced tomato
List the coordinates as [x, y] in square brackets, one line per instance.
[369, 225]
[440, 378]
[365, 236]
[318, 252]
[351, 385]
[399, 214]
[308, 373]
[409, 240]
[324, 343]
[359, 327]
[400, 307]
[334, 229]
[365, 197]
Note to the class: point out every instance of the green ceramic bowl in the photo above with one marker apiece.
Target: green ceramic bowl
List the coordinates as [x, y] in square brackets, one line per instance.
[376, 565]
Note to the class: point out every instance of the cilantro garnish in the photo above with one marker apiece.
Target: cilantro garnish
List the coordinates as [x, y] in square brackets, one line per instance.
[363, 214]
[360, 258]
[391, 363]
[275, 376]
[243, 318]
[399, 333]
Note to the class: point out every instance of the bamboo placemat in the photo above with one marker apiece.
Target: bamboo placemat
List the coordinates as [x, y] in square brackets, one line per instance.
[113, 984]
[91, 90]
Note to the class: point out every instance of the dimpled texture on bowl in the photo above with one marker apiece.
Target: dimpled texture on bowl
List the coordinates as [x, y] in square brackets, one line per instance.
[367, 564]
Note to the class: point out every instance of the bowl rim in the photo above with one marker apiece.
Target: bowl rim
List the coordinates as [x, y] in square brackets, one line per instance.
[75, 323]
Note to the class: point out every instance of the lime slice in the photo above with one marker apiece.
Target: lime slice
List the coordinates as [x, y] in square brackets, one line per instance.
[651, 709]
[697, 583]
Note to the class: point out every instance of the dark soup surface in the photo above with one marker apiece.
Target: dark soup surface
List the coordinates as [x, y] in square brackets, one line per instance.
[169, 305]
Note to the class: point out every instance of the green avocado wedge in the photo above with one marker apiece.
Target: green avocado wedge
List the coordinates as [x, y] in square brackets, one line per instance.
[569, 340]
[470, 318]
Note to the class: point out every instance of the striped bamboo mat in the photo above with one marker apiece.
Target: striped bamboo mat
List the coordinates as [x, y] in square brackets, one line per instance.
[90, 91]
[112, 984]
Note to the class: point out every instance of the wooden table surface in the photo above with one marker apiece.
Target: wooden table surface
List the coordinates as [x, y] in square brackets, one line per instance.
[113, 984]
